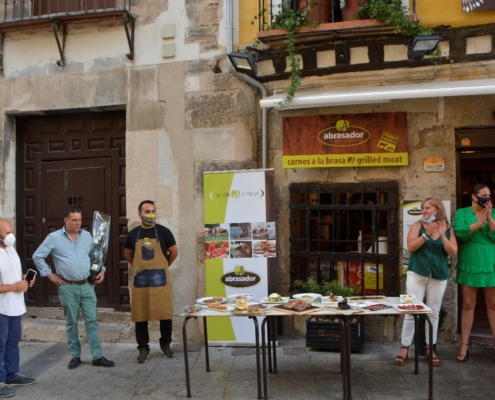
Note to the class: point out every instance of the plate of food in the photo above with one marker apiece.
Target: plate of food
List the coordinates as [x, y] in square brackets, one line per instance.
[245, 296]
[193, 309]
[219, 307]
[309, 297]
[411, 307]
[275, 298]
[407, 298]
[211, 300]
[331, 301]
[242, 306]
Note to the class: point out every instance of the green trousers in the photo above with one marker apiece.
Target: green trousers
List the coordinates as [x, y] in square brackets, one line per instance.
[83, 297]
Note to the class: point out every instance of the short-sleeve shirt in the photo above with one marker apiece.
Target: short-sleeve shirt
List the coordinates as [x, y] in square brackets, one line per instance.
[11, 303]
[165, 236]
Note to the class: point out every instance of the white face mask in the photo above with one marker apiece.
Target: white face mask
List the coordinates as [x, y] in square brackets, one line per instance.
[9, 240]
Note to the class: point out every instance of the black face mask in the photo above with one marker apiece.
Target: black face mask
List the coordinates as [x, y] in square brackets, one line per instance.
[482, 200]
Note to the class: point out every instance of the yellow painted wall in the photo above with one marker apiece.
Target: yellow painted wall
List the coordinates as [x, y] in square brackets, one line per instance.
[449, 12]
[429, 12]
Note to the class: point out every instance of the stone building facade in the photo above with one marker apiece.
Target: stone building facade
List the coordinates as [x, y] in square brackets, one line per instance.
[185, 113]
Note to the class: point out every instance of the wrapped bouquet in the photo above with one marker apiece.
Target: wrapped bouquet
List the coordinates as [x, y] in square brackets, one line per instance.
[101, 233]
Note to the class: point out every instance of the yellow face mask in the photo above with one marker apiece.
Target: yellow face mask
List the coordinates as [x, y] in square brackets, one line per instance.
[148, 219]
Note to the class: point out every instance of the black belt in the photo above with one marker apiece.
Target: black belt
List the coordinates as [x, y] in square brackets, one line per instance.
[76, 282]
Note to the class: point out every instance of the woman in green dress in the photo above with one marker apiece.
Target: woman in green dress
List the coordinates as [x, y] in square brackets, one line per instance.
[475, 228]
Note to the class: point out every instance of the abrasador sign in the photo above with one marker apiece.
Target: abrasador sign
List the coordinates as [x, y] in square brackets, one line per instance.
[356, 140]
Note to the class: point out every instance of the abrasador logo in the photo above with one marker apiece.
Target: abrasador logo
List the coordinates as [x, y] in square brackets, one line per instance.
[343, 135]
[240, 278]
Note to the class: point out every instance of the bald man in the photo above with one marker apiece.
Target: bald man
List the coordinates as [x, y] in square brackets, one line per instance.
[12, 288]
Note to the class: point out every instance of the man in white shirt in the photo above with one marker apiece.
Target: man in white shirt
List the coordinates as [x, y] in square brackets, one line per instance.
[12, 288]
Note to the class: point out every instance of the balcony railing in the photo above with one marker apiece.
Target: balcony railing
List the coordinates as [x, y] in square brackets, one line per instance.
[20, 12]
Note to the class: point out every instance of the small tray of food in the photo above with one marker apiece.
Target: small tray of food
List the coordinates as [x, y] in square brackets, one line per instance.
[309, 297]
[275, 298]
[193, 309]
[377, 307]
[408, 298]
[211, 300]
[331, 301]
[244, 296]
[220, 307]
[412, 307]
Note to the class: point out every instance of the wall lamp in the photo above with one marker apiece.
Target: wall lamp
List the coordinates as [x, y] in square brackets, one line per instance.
[419, 46]
[243, 62]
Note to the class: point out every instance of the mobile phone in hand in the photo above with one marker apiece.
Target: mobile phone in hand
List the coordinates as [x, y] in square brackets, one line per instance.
[31, 273]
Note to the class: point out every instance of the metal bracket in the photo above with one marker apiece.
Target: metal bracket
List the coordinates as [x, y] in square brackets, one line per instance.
[129, 25]
[57, 25]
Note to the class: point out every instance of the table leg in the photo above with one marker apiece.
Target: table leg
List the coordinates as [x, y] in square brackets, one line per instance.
[343, 356]
[348, 354]
[263, 353]
[273, 326]
[416, 344]
[258, 362]
[207, 354]
[186, 355]
[430, 362]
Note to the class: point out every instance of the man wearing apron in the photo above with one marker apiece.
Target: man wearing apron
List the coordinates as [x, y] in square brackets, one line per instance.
[151, 249]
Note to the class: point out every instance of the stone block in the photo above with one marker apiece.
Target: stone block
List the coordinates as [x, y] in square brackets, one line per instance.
[265, 67]
[213, 144]
[164, 202]
[142, 147]
[145, 116]
[143, 84]
[396, 52]
[325, 59]
[209, 110]
[479, 44]
[359, 55]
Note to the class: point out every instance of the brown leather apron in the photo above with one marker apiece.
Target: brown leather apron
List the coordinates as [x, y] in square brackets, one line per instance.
[152, 286]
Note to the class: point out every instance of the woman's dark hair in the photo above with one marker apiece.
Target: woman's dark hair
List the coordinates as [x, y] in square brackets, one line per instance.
[478, 187]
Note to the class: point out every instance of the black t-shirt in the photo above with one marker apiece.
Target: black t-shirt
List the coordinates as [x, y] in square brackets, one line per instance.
[165, 236]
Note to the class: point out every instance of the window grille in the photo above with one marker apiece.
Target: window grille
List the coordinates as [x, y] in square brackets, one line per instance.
[346, 232]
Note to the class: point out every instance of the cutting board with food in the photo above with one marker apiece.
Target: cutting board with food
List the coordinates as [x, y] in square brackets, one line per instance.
[297, 307]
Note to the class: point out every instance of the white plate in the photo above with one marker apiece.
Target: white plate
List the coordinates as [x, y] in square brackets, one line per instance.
[413, 298]
[230, 308]
[266, 300]
[309, 297]
[202, 300]
[198, 309]
[245, 296]
[423, 309]
[327, 303]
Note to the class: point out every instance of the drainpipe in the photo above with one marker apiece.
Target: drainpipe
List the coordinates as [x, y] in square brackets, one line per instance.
[250, 81]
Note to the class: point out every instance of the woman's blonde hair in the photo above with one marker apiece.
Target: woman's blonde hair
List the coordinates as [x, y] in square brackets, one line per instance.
[441, 213]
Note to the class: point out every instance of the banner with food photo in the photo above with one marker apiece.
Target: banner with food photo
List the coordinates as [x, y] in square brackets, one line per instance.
[240, 247]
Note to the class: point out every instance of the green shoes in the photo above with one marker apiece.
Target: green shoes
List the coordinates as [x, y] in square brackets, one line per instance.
[143, 356]
[167, 351]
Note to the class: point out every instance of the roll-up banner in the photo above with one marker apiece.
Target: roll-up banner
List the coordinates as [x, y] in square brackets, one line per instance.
[240, 245]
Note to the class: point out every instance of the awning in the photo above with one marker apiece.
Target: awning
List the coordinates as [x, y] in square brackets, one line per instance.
[380, 94]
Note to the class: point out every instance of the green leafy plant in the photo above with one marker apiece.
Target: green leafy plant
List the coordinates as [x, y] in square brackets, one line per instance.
[393, 12]
[290, 21]
[310, 285]
[307, 286]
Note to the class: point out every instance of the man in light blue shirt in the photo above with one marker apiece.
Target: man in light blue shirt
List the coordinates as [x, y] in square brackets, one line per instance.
[70, 249]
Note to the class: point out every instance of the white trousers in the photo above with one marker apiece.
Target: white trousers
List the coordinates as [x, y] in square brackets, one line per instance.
[434, 290]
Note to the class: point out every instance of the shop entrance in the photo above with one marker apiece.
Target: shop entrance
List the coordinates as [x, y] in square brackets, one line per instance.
[475, 164]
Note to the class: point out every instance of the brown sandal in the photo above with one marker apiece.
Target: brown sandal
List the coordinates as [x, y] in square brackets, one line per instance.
[401, 361]
[461, 358]
[435, 360]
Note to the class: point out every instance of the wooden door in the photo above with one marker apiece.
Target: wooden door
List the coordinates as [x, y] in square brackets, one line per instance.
[62, 158]
[83, 182]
